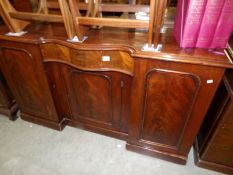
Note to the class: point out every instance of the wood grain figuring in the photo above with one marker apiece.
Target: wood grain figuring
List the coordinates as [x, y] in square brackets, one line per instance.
[98, 99]
[84, 91]
[30, 90]
[89, 60]
[93, 96]
[169, 97]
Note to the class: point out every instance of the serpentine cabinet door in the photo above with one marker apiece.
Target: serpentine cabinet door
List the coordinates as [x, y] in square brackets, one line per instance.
[22, 67]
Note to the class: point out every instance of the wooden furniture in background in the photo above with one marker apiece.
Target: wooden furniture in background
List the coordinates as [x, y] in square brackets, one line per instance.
[17, 20]
[214, 144]
[8, 105]
[77, 25]
[156, 13]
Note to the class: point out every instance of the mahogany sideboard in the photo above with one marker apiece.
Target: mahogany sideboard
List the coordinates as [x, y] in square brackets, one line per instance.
[156, 101]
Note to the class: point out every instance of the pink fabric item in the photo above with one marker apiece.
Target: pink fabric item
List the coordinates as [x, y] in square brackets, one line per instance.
[188, 21]
[224, 27]
[209, 23]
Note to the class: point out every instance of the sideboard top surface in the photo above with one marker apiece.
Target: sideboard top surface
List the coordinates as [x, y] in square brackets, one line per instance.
[122, 39]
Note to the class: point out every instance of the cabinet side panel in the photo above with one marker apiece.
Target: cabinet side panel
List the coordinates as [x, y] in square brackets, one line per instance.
[27, 81]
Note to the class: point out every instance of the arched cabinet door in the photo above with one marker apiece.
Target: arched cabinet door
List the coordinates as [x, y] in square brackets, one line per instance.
[168, 100]
[22, 66]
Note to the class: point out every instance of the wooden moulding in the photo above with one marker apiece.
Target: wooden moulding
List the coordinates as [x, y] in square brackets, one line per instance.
[51, 124]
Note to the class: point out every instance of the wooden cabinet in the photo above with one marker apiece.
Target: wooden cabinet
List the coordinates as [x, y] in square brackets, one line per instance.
[156, 101]
[95, 92]
[214, 144]
[168, 105]
[8, 105]
[22, 67]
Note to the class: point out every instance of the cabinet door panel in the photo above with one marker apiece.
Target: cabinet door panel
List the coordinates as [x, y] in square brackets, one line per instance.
[168, 100]
[28, 83]
[92, 97]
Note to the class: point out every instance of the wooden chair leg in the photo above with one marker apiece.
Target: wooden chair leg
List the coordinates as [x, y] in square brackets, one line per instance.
[151, 23]
[67, 18]
[160, 8]
[14, 25]
[80, 30]
[42, 7]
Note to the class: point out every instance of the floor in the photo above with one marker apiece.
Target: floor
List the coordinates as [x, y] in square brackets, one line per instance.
[29, 149]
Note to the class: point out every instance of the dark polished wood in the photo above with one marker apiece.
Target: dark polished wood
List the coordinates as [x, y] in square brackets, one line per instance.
[98, 99]
[169, 103]
[8, 105]
[168, 97]
[214, 144]
[22, 5]
[154, 100]
[91, 60]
